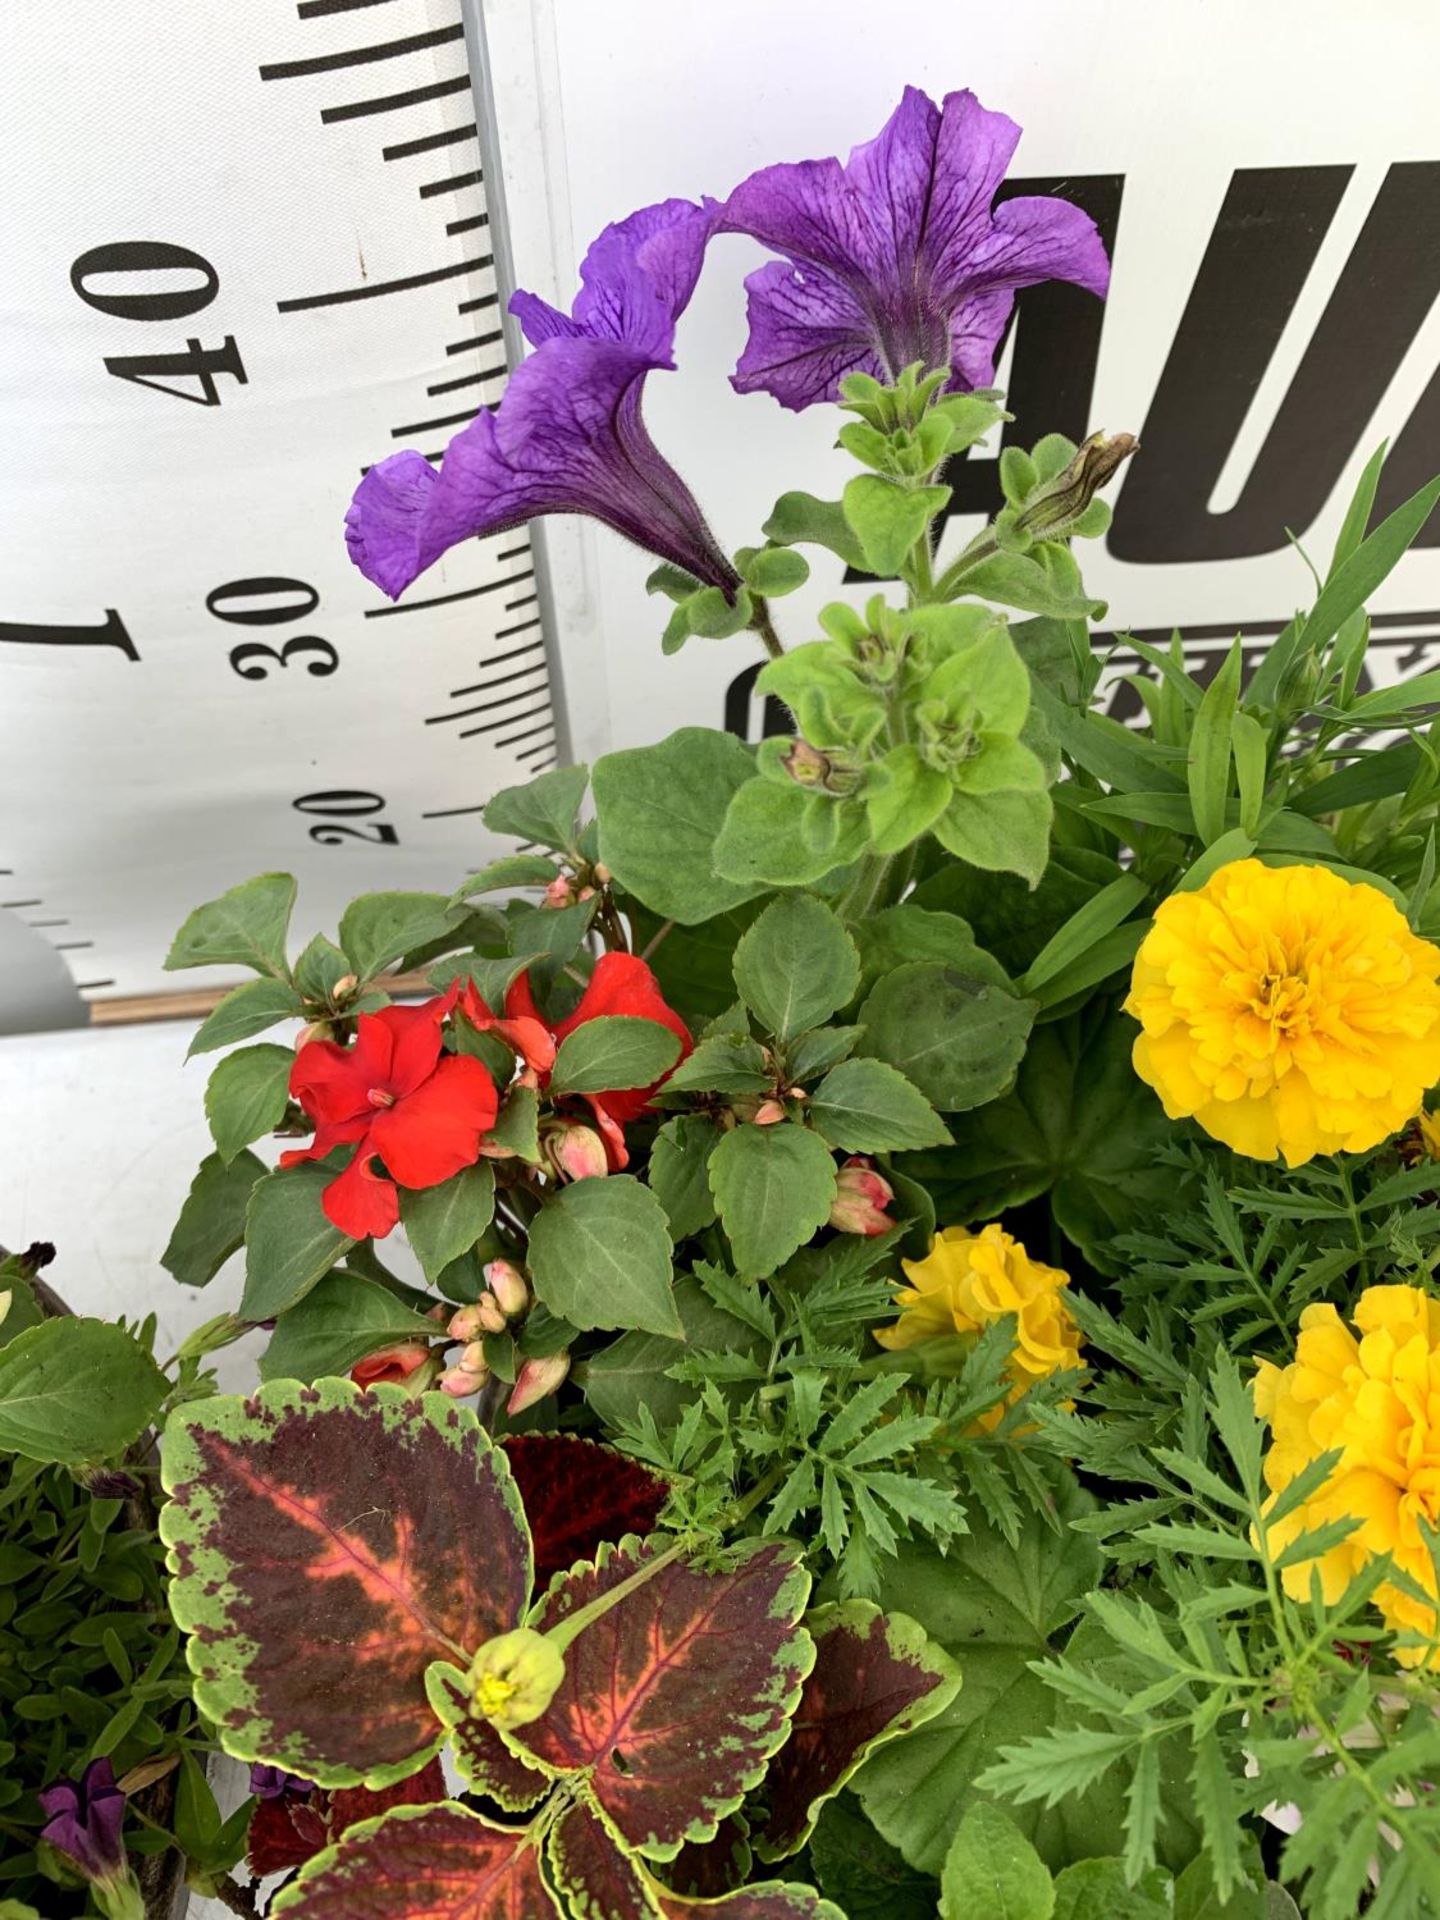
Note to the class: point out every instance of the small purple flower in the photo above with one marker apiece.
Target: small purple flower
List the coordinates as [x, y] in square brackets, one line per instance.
[897, 256]
[568, 436]
[86, 1816]
[274, 1783]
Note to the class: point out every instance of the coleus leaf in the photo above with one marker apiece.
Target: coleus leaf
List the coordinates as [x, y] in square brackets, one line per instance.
[327, 1546]
[287, 1832]
[577, 1493]
[442, 1862]
[481, 1757]
[675, 1699]
[595, 1873]
[875, 1676]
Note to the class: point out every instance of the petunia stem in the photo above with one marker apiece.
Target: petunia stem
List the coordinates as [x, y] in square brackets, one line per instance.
[762, 624]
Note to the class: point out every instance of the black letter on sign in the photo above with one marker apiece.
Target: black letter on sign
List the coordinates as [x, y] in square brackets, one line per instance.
[1264, 244]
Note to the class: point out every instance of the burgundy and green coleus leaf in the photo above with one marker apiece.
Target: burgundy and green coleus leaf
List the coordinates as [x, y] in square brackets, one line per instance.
[424, 1863]
[446, 1863]
[876, 1676]
[673, 1700]
[578, 1493]
[327, 1547]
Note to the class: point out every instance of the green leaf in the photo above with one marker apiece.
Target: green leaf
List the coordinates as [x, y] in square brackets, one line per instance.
[378, 927]
[992, 1872]
[612, 1053]
[1079, 1125]
[1208, 760]
[544, 809]
[810, 1054]
[443, 1222]
[723, 1063]
[1249, 744]
[1355, 579]
[289, 1243]
[772, 571]
[799, 519]
[212, 1221]
[1018, 580]
[866, 1106]
[513, 870]
[75, 1391]
[713, 615]
[679, 1173]
[631, 1372]
[318, 971]
[1003, 832]
[247, 1010]
[1099, 916]
[865, 1876]
[247, 1096]
[996, 1607]
[796, 965]
[887, 519]
[660, 809]
[774, 836]
[600, 1256]
[1098, 1890]
[340, 1321]
[895, 935]
[518, 1124]
[773, 1187]
[957, 1038]
[245, 927]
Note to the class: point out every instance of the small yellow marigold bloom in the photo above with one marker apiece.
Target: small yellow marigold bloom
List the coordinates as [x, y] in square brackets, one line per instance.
[1377, 1401]
[1287, 1010]
[967, 1281]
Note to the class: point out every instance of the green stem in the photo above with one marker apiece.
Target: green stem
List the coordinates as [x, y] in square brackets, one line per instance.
[762, 624]
[567, 1630]
[866, 890]
[981, 548]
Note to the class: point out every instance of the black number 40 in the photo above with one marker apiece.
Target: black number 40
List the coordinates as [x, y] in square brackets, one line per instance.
[135, 280]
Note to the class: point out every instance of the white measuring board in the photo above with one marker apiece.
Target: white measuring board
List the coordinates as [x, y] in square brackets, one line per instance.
[246, 251]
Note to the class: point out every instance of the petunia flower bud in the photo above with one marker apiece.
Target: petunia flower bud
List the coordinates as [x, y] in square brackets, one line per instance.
[508, 1285]
[84, 1819]
[861, 1198]
[832, 772]
[469, 1373]
[577, 1153]
[1055, 507]
[491, 1313]
[515, 1676]
[536, 1380]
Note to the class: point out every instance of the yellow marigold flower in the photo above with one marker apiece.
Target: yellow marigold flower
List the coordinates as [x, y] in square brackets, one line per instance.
[967, 1281]
[1377, 1401]
[1287, 1010]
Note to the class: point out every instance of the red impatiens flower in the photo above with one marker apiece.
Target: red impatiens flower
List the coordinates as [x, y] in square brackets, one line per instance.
[396, 1096]
[620, 984]
[391, 1364]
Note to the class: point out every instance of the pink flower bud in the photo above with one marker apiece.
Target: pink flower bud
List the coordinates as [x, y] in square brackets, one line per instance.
[768, 1112]
[602, 873]
[861, 1198]
[507, 1283]
[560, 892]
[465, 1323]
[469, 1373]
[536, 1379]
[577, 1153]
[492, 1314]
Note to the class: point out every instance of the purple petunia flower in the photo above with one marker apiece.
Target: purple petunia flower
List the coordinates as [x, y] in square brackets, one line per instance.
[86, 1816]
[568, 436]
[896, 256]
[274, 1783]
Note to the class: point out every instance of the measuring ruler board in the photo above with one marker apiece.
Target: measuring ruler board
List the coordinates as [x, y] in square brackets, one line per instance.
[247, 253]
